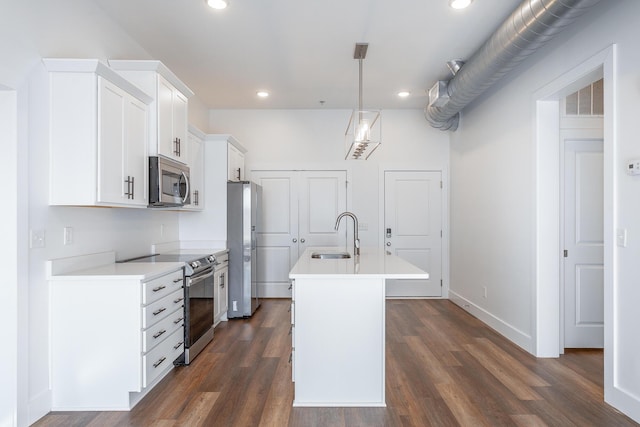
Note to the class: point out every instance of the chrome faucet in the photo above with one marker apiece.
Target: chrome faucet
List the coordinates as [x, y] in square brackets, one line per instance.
[356, 240]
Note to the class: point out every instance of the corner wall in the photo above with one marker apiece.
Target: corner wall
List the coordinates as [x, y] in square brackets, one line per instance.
[493, 192]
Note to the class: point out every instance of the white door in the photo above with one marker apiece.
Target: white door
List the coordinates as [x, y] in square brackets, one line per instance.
[413, 229]
[583, 243]
[299, 209]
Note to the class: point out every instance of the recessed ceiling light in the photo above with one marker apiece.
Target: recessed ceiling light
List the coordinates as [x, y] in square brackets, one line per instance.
[404, 94]
[218, 4]
[459, 4]
[262, 94]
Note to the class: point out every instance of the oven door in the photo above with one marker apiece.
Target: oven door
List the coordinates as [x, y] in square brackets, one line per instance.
[199, 307]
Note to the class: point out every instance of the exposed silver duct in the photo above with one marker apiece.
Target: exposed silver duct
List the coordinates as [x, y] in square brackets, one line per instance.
[529, 27]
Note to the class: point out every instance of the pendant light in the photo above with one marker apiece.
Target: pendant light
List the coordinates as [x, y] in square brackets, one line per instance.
[363, 134]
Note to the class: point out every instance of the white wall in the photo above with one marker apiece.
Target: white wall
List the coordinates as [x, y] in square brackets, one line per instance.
[493, 179]
[29, 32]
[314, 139]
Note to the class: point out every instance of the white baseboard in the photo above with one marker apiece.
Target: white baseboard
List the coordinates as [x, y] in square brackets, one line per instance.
[274, 290]
[503, 328]
[39, 406]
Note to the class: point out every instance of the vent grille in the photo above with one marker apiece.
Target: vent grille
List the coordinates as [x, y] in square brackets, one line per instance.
[588, 101]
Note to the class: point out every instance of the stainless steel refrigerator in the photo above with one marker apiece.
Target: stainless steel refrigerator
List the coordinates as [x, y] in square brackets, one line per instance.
[243, 214]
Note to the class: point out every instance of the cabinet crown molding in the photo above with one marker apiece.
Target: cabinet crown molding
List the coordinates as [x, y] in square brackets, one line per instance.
[151, 65]
[97, 67]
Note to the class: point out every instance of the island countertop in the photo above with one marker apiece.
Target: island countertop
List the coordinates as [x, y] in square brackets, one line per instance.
[372, 262]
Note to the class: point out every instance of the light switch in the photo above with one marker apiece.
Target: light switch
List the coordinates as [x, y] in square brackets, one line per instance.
[621, 237]
[68, 235]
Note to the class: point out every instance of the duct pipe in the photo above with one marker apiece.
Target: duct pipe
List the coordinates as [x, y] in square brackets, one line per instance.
[529, 27]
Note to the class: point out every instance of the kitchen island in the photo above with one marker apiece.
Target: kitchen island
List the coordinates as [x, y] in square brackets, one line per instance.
[338, 326]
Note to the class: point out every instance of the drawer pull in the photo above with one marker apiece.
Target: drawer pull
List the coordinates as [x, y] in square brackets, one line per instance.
[158, 311]
[177, 346]
[175, 301]
[159, 288]
[290, 357]
[290, 286]
[159, 362]
[178, 320]
[160, 333]
[178, 280]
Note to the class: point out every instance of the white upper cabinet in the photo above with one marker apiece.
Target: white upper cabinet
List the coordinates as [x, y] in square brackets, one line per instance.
[97, 136]
[235, 163]
[169, 107]
[196, 169]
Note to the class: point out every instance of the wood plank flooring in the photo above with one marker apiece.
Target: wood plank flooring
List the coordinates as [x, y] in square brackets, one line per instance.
[444, 368]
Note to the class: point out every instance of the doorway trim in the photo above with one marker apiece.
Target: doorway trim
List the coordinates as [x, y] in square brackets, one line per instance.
[546, 227]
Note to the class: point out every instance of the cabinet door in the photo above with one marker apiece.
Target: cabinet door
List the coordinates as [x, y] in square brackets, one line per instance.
[166, 138]
[136, 146]
[111, 104]
[235, 164]
[196, 173]
[179, 125]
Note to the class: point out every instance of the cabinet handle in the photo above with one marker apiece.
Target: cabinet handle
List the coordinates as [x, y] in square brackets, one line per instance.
[195, 197]
[290, 285]
[178, 320]
[175, 301]
[129, 192]
[177, 280]
[290, 357]
[155, 365]
[295, 240]
[175, 347]
[160, 333]
[158, 311]
[239, 175]
[159, 288]
[290, 330]
[133, 188]
[302, 240]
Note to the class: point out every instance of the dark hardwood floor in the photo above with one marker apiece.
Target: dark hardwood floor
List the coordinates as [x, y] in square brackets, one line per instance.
[444, 368]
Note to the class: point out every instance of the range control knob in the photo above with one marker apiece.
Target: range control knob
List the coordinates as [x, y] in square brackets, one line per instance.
[195, 264]
[211, 258]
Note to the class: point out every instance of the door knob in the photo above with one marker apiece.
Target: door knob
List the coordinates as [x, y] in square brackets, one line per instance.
[295, 240]
[301, 240]
[388, 243]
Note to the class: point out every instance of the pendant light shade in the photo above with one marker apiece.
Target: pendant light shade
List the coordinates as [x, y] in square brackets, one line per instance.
[364, 131]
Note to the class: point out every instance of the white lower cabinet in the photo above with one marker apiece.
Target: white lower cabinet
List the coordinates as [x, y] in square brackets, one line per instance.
[113, 336]
[220, 281]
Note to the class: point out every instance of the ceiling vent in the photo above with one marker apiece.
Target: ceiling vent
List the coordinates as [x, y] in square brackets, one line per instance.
[529, 27]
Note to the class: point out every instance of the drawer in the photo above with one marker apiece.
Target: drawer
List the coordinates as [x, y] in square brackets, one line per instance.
[155, 289]
[162, 356]
[158, 310]
[162, 329]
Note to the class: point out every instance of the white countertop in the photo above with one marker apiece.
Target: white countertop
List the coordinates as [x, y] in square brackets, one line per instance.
[126, 270]
[372, 262]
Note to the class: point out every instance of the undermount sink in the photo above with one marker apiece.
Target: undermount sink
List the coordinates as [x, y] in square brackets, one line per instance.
[330, 255]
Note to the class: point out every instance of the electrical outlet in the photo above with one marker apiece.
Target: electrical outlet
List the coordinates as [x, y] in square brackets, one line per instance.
[68, 235]
[161, 230]
[363, 226]
[37, 239]
[484, 291]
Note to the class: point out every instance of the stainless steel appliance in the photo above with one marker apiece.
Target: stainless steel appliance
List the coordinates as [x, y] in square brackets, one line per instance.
[168, 183]
[199, 299]
[243, 210]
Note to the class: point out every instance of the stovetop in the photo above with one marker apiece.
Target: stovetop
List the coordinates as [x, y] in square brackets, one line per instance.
[194, 263]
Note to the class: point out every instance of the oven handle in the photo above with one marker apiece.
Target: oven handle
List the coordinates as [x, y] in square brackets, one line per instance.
[200, 278]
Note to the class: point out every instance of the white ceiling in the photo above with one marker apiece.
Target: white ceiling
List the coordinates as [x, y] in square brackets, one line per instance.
[302, 50]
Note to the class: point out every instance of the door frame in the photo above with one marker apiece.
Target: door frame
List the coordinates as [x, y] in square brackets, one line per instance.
[444, 176]
[546, 227]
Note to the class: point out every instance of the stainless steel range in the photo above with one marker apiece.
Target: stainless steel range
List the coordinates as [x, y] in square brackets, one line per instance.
[199, 299]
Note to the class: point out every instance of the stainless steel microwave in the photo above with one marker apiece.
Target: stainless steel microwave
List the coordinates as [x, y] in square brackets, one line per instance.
[168, 183]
